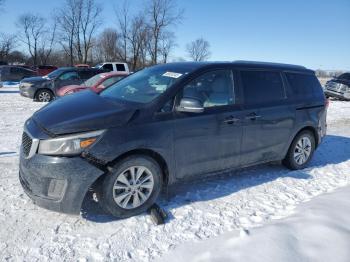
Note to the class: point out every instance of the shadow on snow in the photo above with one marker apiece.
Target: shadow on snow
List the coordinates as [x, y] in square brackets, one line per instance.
[333, 150]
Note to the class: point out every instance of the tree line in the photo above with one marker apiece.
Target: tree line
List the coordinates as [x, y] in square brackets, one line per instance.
[75, 35]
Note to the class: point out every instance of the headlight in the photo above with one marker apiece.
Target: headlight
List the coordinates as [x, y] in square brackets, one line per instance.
[68, 145]
[26, 85]
[342, 88]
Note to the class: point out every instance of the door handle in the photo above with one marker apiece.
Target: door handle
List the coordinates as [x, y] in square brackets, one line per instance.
[252, 116]
[231, 120]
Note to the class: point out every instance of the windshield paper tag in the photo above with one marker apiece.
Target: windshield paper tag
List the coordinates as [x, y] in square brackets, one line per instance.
[172, 74]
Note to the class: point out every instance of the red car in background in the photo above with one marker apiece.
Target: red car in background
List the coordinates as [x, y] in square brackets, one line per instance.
[96, 83]
[44, 70]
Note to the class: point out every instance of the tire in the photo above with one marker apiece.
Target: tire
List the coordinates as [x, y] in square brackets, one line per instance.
[116, 195]
[297, 158]
[44, 95]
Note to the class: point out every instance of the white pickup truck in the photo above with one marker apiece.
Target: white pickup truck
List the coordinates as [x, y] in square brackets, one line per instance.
[113, 66]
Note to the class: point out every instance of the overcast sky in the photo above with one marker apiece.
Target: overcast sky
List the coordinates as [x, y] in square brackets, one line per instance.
[313, 33]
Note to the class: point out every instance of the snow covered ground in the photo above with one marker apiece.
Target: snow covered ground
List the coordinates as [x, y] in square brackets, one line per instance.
[202, 210]
[318, 231]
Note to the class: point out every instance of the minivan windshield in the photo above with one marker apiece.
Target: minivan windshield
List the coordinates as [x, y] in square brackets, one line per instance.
[145, 85]
[345, 76]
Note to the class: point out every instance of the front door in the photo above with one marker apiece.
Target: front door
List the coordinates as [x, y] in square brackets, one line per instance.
[208, 141]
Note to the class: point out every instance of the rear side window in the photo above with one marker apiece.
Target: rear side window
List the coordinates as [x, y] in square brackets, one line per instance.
[108, 67]
[120, 67]
[261, 87]
[304, 85]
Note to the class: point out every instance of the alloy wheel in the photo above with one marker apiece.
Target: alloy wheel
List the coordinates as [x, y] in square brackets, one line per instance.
[302, 150]
[133, 187]
[44, 96]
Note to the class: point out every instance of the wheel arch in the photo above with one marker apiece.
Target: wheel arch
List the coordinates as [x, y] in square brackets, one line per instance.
[145, 152]
[313, 130]
[301, 129]
[41, 89]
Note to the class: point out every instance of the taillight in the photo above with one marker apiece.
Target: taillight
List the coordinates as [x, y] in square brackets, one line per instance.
[327, 103]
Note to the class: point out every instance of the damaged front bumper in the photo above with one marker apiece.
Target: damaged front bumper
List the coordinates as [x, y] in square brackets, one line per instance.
[57, 183]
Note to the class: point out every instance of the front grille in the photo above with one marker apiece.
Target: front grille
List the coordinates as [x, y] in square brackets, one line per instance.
[26, 143]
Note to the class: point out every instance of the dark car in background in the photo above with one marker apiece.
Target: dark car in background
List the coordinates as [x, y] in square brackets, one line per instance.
[96, 83]
[14, 73]
[44, 89]
[165, 124]
[44, 70]
[338, 87]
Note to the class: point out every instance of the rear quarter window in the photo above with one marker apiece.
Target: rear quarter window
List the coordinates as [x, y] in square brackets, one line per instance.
[120, 67]
[304, 85]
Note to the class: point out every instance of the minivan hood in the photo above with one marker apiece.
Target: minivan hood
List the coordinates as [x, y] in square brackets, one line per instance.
[81, 112]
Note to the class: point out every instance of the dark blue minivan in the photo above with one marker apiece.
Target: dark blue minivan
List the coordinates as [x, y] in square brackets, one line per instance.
[168, 123]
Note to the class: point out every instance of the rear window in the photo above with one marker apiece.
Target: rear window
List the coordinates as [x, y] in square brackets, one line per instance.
[262, 87]
[120, 67]
[111, 81]
[304, 85]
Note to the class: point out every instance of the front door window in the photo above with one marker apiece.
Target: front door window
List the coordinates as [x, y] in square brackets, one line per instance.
[212, 89]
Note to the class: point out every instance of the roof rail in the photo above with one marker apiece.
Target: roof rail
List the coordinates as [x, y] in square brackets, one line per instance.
[269, 64]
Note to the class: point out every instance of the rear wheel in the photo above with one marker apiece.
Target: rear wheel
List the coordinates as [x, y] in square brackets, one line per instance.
[132, 187]
[44, 95]
[301, 150]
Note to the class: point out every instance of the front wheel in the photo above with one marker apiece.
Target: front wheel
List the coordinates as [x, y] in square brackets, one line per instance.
[300, 151]
[44, 95]
[132, 187]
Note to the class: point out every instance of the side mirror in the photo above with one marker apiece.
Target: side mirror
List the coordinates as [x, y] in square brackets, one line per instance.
[190, 105]
[100, 86]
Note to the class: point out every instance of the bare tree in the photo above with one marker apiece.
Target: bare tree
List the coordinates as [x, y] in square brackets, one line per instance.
[137, 37]
[47, 44]
[107, 45]
[33, 30]
[198, 50]
[89, 23]
[16, 57]
[7, 43]
[67, 18]
[161, 14]
[78, 21]
[167, 43]
[123, 23]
